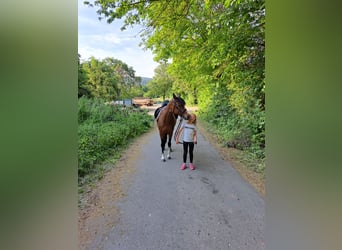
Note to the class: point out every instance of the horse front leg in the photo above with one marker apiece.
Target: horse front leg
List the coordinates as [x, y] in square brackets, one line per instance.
[163, 142]
[169, 145]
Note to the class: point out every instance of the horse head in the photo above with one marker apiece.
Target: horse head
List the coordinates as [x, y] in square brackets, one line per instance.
[179, 107]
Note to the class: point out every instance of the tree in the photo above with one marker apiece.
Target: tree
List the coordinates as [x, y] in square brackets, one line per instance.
[102, 80]
[82, 78]
[110, 79]
[125, 77]
[216, 49]
[161, 84]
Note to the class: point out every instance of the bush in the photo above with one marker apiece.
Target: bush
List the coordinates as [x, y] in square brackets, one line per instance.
[244, 130]
[103, 129]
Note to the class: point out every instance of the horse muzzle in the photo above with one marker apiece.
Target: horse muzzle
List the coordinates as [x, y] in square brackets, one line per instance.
[186, 115]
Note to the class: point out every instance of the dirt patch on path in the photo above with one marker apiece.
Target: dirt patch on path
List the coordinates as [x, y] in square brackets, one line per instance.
[100, 213]
[231, 155]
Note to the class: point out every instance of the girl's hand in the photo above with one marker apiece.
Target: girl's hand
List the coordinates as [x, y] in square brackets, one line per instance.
[195, 142]
[177, 141]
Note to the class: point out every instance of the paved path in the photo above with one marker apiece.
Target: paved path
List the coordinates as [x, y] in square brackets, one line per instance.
[164, 207]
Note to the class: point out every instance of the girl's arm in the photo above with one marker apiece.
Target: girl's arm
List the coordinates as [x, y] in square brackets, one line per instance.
[177, 137]
[195, 137]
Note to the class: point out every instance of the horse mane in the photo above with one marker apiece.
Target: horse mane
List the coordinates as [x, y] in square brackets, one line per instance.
[170, 116]
[165, 116]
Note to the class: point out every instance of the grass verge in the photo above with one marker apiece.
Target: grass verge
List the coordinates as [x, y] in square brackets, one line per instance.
[249, 167]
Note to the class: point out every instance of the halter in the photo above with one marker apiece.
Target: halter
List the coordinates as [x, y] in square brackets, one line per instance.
[181, 111]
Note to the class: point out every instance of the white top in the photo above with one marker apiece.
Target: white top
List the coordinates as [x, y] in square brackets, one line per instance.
[188, 132]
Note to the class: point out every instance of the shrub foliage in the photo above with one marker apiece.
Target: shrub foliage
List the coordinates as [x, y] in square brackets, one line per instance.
[103, 129]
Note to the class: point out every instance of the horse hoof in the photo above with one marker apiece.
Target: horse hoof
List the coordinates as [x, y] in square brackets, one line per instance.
[169, 157]
[163, 160]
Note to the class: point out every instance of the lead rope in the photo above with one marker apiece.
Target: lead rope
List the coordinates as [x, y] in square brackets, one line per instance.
[178, 127]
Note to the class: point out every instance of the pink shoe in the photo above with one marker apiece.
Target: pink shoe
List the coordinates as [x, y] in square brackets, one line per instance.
[183, 166]
[192, 167]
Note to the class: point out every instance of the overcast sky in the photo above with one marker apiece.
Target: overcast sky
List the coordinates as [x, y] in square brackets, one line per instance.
[100, 39]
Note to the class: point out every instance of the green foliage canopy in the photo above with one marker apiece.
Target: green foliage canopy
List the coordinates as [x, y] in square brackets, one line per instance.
[161, 84]
[110, 79]
[217, 49]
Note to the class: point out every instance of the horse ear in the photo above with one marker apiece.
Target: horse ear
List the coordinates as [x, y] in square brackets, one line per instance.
[174, 96]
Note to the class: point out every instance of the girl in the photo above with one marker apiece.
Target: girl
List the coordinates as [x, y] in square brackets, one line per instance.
[189, 139]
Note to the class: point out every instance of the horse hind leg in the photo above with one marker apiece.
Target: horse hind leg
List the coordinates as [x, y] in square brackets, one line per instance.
[169, 153]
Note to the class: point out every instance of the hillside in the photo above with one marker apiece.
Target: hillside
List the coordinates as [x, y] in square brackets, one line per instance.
[145, 80]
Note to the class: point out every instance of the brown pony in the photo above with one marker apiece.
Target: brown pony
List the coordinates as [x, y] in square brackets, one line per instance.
[166, 121]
